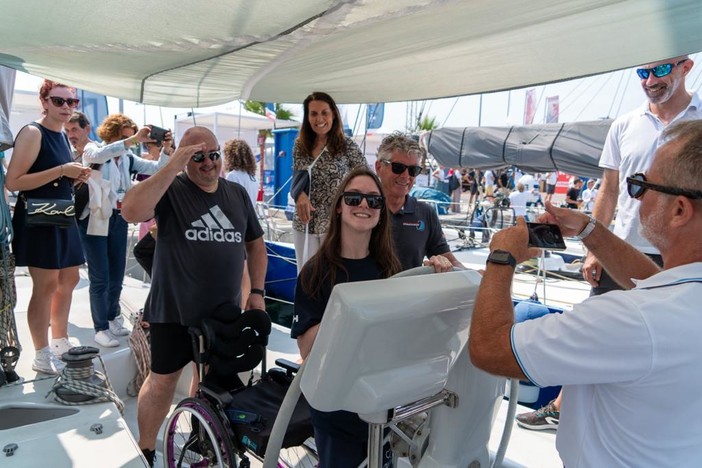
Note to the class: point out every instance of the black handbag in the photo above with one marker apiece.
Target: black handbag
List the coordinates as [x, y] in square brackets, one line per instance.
[300, 183]
[49, 212]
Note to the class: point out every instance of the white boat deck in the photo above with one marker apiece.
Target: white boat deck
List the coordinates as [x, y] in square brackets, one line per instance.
[68, 441]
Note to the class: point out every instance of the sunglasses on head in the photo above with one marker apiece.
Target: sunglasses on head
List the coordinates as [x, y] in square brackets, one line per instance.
[659, 71]
[59, 101]
[637, 185]
[200, 156]
[373, 201]
[399, 168]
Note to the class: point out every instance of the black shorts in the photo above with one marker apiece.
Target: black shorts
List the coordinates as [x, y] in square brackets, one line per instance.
[171, 347]
[550, 189]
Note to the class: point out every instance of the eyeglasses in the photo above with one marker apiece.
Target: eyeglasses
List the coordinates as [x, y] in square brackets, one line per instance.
[659, 71]
[200, 156]
[375, 202]
[637, 185]
[399, 168]
[59, 101]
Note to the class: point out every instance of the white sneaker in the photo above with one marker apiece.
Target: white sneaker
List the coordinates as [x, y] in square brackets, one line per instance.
[105, 339]
[117, 327]
[62, 345]
[47, 363]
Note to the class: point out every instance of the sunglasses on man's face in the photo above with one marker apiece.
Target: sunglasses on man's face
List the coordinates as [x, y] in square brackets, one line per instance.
[399, 168]
[59, 101]
[372, 200]
[200, 156]
[637, 185]
[659, 71]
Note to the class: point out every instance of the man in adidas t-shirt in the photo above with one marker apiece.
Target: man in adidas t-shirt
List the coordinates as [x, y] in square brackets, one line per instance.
[206, 229]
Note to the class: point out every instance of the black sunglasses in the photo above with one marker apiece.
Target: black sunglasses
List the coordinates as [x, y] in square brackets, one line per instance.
[200, 156]
[659, 71]
[375, 202]
[399, 168]
[637, 185]
[59, 101]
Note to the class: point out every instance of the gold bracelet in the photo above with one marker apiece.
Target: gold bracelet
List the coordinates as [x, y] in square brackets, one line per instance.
[135, 140]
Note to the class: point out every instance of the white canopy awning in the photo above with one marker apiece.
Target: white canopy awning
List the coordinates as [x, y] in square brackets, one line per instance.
[196, 53]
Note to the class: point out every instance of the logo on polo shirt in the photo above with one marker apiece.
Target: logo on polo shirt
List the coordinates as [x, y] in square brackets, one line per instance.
[213, 226]
[419, 225]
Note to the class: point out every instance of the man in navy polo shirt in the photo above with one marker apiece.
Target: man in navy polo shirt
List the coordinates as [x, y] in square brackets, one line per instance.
[415, 225]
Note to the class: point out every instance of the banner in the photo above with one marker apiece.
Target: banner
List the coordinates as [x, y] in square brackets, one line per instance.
[270, 111]
[552, 109]
[94, 106]
[374, 116]
[529, 106]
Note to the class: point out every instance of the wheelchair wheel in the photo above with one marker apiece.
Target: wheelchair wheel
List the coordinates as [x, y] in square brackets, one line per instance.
[195, 437]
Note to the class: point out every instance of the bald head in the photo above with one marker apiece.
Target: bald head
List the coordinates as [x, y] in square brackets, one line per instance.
[196, 135]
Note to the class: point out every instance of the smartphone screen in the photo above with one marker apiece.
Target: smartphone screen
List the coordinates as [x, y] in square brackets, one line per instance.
[545, 236]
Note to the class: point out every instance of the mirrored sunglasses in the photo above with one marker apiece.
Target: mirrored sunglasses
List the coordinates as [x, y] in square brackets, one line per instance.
[200, 156]
[372, 200]
[59, 101]
[659, 71]
[636, 186]
[399, 168]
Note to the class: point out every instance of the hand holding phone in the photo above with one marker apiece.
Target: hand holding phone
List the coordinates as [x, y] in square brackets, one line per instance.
[158, 134]
[545, 236]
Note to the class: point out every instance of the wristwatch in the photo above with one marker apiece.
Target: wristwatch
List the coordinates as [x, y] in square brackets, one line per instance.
[502, 257]
[260, 292]
[587, 230]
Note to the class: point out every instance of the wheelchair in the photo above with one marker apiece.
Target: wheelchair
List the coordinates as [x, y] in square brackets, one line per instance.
[227, 420]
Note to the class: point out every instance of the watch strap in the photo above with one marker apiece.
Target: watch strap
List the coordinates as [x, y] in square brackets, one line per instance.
[587, 230]
[502, 257]
[260, 292]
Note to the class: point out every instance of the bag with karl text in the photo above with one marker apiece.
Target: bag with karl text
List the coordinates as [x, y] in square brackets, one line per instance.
[49, 212]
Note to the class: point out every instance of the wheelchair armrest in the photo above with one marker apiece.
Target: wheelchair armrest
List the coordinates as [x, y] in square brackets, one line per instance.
[221, 396]
[290, 367]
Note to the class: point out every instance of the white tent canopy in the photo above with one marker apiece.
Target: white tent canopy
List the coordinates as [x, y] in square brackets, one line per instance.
[195, 53]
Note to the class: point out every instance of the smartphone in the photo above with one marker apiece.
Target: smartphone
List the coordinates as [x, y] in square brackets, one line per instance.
[545, 236]
[158, 133]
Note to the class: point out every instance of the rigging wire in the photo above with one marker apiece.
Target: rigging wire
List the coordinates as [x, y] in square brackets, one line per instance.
[594, 95]
[616, 94]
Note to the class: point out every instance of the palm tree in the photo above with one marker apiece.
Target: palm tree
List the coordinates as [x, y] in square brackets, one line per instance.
[259, 107]
[427, 123]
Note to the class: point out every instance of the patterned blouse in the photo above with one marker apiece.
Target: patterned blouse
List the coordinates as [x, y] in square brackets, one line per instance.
[327, 174]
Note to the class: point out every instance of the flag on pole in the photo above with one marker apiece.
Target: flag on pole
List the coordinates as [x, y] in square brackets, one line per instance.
[530, 106]
[270, 111]
[374, 116]
[552, 109]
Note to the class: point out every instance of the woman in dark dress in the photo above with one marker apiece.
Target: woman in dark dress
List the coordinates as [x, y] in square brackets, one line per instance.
[358, 247]
[42, 167]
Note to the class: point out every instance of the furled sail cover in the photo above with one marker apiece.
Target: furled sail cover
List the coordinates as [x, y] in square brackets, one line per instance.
[573, 147]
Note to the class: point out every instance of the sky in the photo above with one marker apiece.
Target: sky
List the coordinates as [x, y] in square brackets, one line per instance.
[592, 98]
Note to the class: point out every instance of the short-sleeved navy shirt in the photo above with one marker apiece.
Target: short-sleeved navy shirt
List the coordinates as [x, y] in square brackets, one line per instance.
[308, 310]
[200, 250]
[417, 233]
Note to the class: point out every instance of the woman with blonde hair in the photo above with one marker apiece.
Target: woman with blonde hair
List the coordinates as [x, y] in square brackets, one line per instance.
[42, 167]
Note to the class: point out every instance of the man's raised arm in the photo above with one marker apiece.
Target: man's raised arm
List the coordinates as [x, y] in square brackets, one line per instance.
[140, 201]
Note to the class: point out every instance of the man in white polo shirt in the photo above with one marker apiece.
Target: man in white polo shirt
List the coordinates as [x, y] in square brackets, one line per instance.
[629, 360]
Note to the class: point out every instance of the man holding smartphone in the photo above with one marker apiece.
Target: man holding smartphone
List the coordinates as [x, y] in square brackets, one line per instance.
[629, 148]
[628, 360]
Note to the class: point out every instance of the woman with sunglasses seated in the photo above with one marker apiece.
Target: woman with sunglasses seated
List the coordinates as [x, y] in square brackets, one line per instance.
[358, 247]
[322, 156]
[102, 228]
[42, 167]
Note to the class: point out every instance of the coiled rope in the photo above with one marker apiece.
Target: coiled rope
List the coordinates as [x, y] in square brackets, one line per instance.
[139, 343]
[74, 380]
